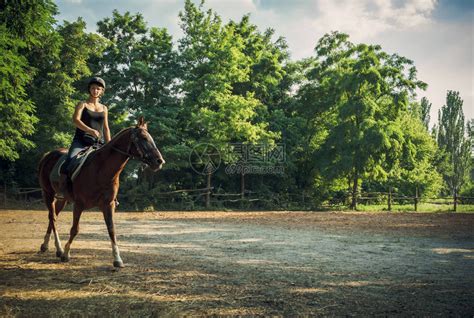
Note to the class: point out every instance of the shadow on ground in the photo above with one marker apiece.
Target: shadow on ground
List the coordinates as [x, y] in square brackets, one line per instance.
[196, 267]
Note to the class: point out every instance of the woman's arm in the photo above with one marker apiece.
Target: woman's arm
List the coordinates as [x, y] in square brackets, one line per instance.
[106, 125]
[76, 119]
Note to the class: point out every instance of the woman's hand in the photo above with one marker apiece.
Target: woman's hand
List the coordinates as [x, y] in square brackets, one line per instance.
[94, 133]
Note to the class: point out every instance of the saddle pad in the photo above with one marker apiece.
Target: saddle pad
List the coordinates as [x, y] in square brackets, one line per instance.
[77, 162]
[55, 173]
[74, 166]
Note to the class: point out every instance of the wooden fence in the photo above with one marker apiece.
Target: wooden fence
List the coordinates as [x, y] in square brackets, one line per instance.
[390, 198]
[192, 199]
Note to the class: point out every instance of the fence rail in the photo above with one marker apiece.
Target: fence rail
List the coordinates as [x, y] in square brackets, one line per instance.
[395, 198]
[189, 199]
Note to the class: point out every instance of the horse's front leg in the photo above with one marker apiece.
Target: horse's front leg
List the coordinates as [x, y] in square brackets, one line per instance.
[109, 210]
[77, 212]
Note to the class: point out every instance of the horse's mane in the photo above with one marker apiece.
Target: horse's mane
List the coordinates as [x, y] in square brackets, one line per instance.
[119, 133]
[112, 141]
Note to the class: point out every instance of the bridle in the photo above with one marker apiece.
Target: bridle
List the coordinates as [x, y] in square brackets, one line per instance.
[144, 156]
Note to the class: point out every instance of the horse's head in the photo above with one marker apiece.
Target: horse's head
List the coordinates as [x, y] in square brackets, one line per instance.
[144, 146]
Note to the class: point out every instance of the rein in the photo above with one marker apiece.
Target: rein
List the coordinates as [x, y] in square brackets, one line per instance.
[134, 140]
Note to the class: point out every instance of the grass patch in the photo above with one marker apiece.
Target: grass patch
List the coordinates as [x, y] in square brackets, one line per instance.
[422, 207]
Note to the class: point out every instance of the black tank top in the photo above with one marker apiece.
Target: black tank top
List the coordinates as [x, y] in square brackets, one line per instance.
[94, 120]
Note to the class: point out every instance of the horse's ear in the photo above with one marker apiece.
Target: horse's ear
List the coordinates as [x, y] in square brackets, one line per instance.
[140, 122]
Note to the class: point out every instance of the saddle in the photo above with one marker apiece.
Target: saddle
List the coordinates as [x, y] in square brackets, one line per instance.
[75, 164]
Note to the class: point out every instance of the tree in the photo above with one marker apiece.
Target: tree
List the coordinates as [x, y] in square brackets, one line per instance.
[267, 59]
[17, 117]
[470, 133]
[220, 104]
[454, 143]
[415, 168]
[421, 110]
[425, 112]
[141, 69]
[360, 92]
[61, 83]
[23, 28]
[61, 66]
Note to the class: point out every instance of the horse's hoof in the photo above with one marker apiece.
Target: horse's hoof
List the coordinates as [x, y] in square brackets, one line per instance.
[59, 254]
[118, 264]
[64, 258]
[43, 248]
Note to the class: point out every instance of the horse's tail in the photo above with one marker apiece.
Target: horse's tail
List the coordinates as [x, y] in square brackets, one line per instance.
[41, 163]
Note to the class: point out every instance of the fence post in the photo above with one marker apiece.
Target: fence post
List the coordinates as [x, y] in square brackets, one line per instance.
[208, 193]
[242, 188]
[416, 199]
[242, 184]
[455, 200]
[390, 198]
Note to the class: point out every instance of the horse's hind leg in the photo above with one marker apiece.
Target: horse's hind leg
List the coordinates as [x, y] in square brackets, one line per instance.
[77, 211]
[50, 202]
[58, 206]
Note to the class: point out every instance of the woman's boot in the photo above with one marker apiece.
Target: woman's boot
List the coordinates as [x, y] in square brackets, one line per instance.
[62, 186]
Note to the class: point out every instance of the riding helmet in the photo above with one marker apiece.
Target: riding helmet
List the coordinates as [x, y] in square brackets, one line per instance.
[96, 80]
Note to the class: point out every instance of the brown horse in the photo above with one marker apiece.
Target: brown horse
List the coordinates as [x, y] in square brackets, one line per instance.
[97, 183]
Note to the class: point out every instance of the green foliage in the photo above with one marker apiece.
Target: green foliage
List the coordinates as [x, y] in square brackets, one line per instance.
[24, 26]
[455, 143]
[140, 66]
[220, 101]
[425, 106]
[17, 117]
[63, 66]
[361, 92]
[441, 207]
[415, 168]
[142, 70]
[421, 110]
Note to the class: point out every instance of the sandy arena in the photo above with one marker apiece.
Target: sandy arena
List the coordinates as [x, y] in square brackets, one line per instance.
[242, 264]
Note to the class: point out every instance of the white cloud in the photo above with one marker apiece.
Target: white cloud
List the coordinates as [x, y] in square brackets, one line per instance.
[443, 54]
[233, 9]
[367, 18]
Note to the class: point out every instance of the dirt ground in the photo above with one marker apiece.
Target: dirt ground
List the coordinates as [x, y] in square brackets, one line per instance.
[242, 264]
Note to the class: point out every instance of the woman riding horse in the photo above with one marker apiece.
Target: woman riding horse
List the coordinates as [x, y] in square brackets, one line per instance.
[92, 126]
[97, 183]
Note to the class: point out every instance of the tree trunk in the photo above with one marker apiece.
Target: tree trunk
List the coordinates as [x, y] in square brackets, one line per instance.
[354, 191]
[455, 197]
[416, 199]
[390, 198]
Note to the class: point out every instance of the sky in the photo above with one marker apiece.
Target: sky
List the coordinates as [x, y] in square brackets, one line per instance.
[438, 35]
